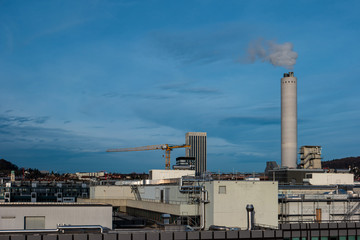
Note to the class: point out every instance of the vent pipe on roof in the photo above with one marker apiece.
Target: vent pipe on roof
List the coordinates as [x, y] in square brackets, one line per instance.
[250, 216]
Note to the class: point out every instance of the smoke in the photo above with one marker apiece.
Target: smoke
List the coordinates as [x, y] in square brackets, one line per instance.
[269, 51]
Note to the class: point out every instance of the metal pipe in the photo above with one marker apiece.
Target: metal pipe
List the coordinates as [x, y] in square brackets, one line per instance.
[218, 228]
[29, 230]
[250, 217]
[203, 196]
[203, 200]
[59, 227]
[223, 228]
[81, 227]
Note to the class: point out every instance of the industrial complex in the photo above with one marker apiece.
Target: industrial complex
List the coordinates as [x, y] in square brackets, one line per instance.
[291, 201]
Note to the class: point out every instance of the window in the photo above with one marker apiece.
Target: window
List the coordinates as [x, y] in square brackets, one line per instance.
[222, 189]
[34, 222]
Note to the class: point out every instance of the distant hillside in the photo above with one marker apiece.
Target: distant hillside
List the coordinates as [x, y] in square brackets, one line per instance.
[342, 163]
[7, 166]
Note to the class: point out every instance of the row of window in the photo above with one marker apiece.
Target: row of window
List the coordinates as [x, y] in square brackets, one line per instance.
[28, 190]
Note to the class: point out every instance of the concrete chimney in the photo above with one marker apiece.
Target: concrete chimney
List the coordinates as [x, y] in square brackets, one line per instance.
[289, 120]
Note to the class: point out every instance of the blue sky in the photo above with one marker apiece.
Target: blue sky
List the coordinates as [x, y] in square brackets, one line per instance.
[79, 77]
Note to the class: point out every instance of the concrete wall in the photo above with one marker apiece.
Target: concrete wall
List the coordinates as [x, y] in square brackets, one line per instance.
[330, 178]
[120, 203]
[170, 193]
[229, 209]
[173, 209]
[309, 191]
[13, 217]
[172, 202]
[111, 192]
[170, 174]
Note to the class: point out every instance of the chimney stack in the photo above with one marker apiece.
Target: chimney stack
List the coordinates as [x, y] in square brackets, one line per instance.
[289, 120]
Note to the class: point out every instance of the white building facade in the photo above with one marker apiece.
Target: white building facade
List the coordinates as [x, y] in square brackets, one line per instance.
[17, 216]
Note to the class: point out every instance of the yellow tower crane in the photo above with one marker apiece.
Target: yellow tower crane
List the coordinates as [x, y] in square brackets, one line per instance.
[168, 148]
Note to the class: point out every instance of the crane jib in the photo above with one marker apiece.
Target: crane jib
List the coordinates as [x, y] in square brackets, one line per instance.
[165, 147]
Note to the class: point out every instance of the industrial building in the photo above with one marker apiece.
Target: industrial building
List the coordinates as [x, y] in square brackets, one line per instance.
[204, 203]
[290, 176]
[42, 191]
[51, 215]
[184, 163]
[197, 143]
[322, 208]
[199, 203]
[228, 201]
[329, 179]
[310, 157]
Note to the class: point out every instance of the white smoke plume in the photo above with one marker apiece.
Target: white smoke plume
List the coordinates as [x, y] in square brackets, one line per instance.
[269, 51]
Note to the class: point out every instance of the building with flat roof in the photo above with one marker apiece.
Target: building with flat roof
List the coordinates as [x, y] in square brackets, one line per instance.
[329, 178]
[197, 141]
[310, 157]
[290, 176]
[197, 203]
[51, 215]
[43, 191]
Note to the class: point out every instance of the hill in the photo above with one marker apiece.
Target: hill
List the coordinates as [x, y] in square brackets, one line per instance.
[343, 163]
[7, 166]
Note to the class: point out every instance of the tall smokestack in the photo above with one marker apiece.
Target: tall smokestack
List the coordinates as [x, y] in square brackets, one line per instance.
[289, 120]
